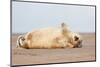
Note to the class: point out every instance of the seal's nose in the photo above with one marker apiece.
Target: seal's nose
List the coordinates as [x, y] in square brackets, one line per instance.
[80, 44]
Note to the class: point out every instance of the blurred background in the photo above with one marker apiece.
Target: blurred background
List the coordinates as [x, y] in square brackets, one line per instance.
[29, 16]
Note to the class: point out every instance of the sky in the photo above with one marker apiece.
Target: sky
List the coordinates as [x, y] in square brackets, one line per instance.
[30, 16]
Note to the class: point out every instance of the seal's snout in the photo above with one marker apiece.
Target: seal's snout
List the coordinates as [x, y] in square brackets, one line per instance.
[80, 44]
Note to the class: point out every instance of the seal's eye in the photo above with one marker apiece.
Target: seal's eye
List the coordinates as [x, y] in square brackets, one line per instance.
[76, 38]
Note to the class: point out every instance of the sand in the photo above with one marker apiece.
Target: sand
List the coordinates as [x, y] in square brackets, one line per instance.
[22, 56]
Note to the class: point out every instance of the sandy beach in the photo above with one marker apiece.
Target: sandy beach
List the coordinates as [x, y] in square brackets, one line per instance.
[21, 56]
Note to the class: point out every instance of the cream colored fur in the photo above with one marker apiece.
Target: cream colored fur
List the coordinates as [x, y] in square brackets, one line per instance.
[60, 37]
